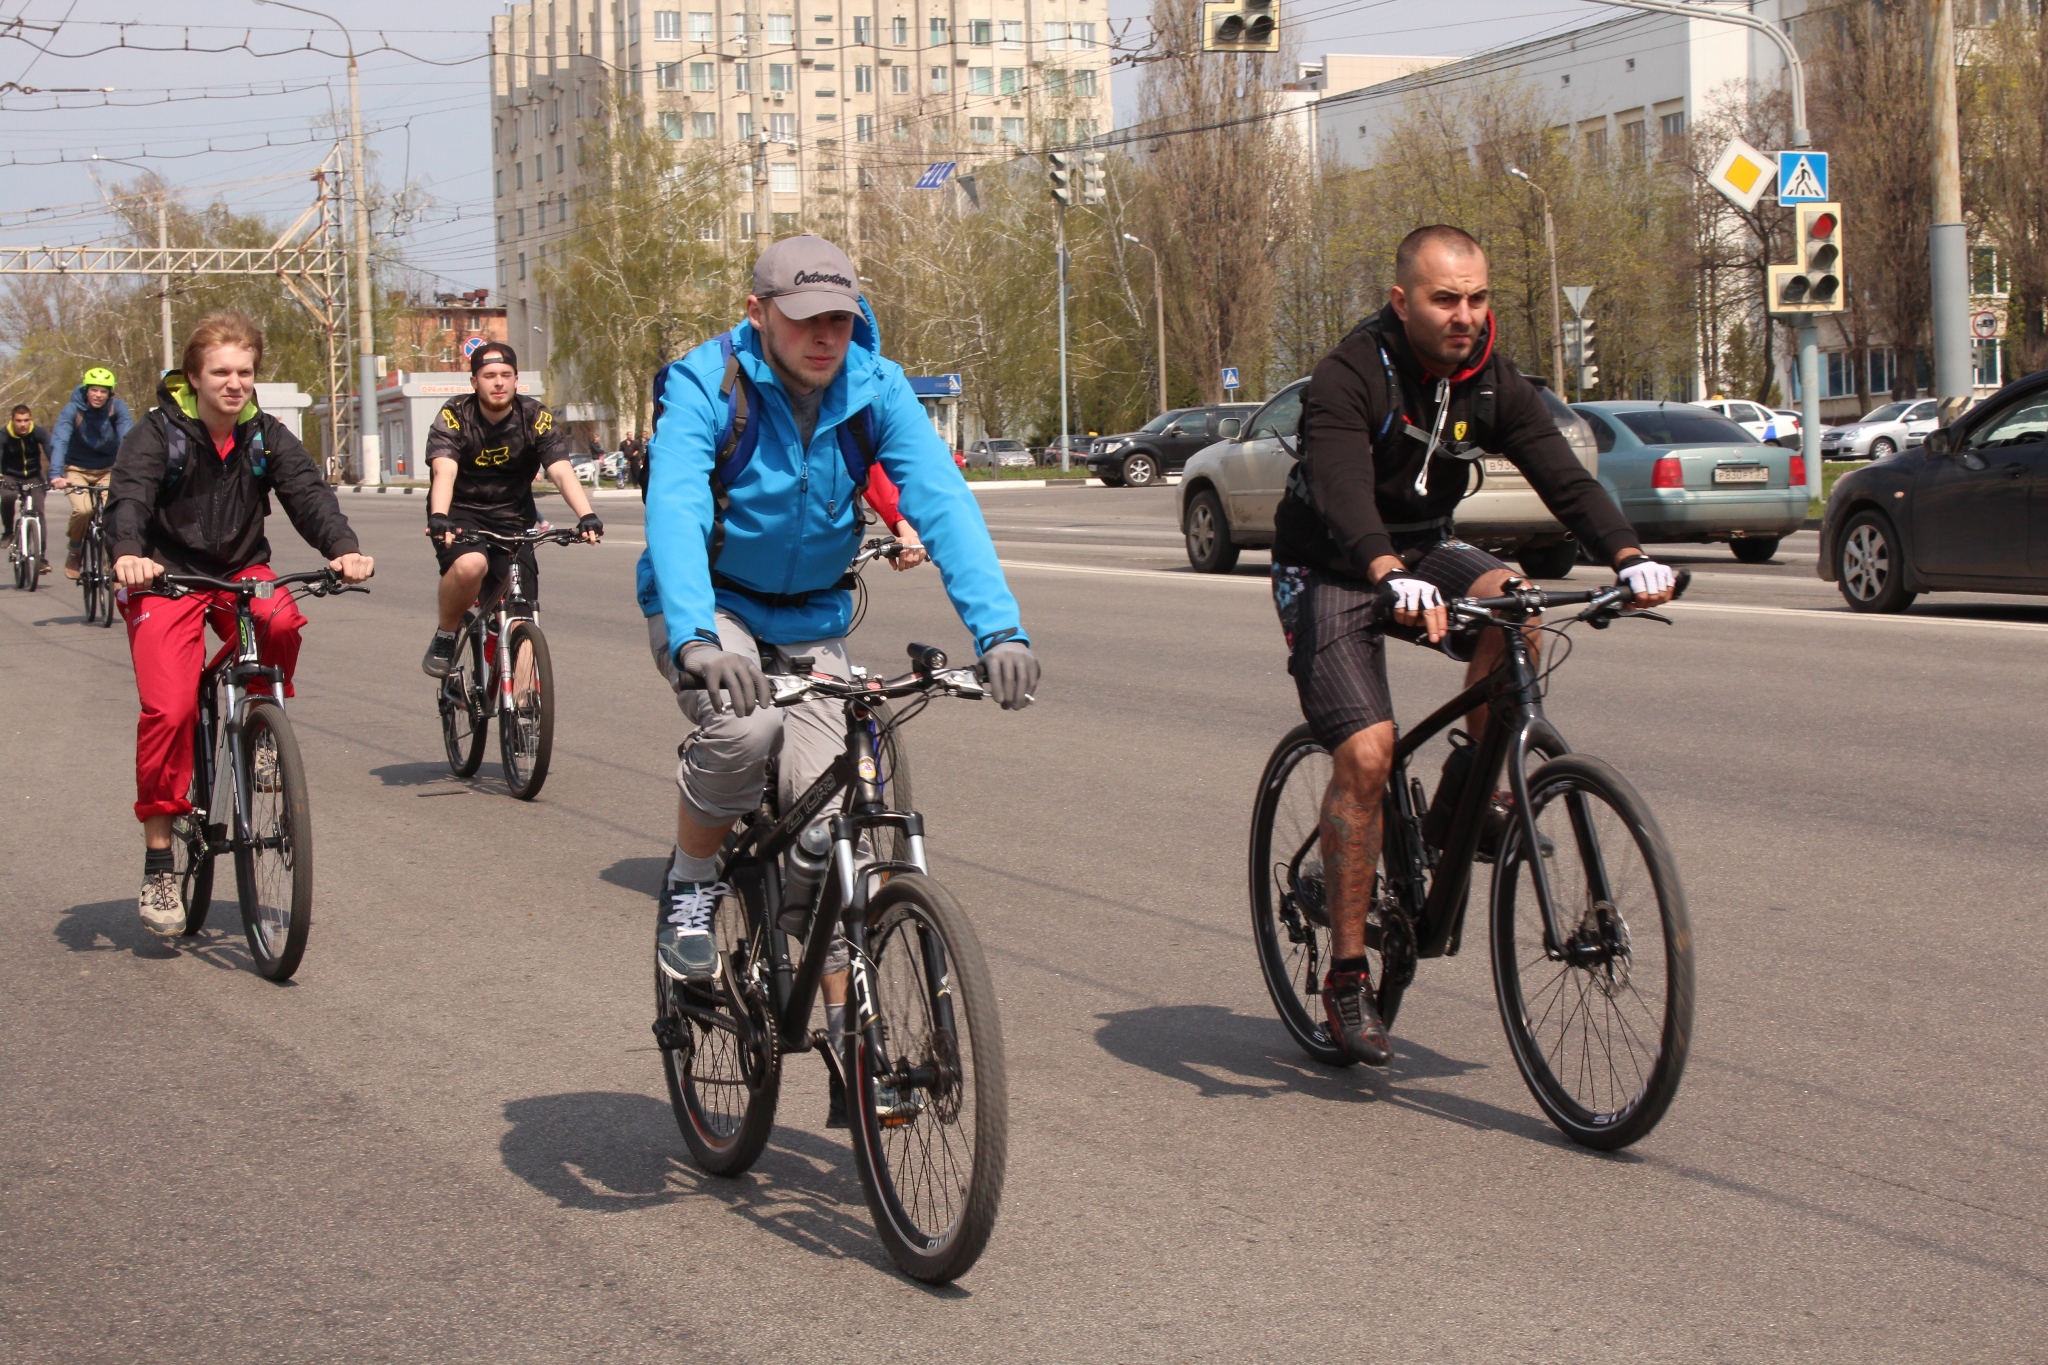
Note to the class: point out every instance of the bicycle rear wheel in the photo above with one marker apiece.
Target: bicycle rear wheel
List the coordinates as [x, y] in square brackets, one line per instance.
[465, 718]
[722, 1059]
[526, 734]
[1600, 1028]
[927, 1084]
[99, 587]
[274, 862]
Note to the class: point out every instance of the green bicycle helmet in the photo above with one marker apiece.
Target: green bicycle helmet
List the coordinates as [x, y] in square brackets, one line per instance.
[99, 376]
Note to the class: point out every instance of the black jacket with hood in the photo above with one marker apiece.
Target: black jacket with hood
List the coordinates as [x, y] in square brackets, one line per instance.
[211, 522]
[24, 457]
[1357, 500]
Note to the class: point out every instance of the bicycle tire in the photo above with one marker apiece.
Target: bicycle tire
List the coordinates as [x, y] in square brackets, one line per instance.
[912, 1138]
[274, 859]
[1580, 1084]
[29, 547]
[723, 1084]
[526, 734]
[194, 868]
[99, 599]
[465, 720]
[1289, 924]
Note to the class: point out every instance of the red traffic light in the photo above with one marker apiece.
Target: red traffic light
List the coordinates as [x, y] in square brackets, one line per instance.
[1822, 225]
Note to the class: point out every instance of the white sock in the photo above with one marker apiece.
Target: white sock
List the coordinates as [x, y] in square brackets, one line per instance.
[684, 868]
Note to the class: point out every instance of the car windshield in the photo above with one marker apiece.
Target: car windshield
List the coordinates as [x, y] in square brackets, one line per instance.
[1159, 423]
[1890, 412]
[1683, 426]
[1006, 445]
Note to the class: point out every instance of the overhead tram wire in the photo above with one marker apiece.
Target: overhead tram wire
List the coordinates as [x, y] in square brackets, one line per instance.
[43, 49]
[269, 141]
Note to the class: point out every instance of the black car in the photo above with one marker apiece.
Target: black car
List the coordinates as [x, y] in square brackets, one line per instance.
[1953, 515]
[1143, 457]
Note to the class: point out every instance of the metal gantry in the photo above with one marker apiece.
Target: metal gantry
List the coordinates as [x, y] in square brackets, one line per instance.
[310, 258]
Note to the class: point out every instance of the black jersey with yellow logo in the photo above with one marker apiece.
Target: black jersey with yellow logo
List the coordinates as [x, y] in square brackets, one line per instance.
[496, 463]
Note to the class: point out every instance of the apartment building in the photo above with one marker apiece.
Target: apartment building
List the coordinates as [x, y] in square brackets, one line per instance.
[852, 94]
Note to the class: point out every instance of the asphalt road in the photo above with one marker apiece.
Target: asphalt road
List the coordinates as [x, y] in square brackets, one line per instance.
[448, 1140]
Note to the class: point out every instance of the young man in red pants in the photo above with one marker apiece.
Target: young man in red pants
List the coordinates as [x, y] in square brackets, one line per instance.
[202, 513]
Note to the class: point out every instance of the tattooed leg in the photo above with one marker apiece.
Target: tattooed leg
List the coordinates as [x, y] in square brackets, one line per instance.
[1351, 832]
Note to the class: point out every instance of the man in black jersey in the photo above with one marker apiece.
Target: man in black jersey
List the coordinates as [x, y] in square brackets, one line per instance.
[484, 452]
[1389, 423]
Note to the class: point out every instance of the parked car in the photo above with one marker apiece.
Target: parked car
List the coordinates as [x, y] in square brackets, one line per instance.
[999, 452]
[1230, 491]
[1879, 432]
[1683, 473]
[1075, 445]
[1141, 458]
[1965, 513]
[1769, 425]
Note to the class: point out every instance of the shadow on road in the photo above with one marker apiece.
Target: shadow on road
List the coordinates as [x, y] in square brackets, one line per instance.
[611, 1152]
[431, 775]
[1222, 1054]
[114, 926]
[637, 874]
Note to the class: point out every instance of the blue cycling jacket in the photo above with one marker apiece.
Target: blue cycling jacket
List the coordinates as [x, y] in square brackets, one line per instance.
[792, 525]
[86, 437]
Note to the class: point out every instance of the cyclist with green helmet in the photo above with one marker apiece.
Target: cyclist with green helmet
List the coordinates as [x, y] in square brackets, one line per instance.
[83, 442]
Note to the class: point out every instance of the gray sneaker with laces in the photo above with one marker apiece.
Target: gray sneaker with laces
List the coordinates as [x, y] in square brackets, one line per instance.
[163, 909]
[440, 655]
[684, 948]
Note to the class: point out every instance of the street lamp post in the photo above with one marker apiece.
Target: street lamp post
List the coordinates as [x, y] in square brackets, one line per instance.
[367, 440]
[163, 242]
[1158, 310]
[1556, 314]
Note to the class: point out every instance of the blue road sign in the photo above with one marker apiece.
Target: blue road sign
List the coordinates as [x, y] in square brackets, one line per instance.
[952, 382]
[469, 347]
[1230, 377]
[1803, 178]
[935, 175]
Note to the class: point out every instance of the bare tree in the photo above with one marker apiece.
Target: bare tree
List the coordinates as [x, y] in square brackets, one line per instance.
[2004, 123]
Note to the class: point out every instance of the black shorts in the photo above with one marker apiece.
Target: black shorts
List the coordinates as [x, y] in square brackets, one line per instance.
[498, 557]
[1336, 652]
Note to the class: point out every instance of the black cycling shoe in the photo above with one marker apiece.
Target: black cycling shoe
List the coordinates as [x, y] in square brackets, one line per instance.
[1354, 1017]
[835, 1109]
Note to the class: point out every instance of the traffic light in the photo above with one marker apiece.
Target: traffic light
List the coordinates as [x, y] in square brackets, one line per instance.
[1583, 359]
[1063, 177]
[1814, 284]
[1092, 189]
[1241, 26]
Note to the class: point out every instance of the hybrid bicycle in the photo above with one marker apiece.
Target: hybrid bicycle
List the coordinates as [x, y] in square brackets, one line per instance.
[922, 1057]
[505, 626]
[25, 546]
[248, 791]
[1591, 948]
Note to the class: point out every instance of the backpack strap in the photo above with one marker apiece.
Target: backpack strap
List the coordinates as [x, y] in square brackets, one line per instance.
[857, 445]
[177, 450]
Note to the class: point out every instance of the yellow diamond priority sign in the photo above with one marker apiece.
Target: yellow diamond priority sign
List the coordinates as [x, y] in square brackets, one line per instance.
[1743, 174]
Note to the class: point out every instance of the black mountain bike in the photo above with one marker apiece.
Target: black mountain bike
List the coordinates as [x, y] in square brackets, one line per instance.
[1592, 953]
[96, 562]
[25, 546]
[922, 1058]
[249, 784]
[506, 626]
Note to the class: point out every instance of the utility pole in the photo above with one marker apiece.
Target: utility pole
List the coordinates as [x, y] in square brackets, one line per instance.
[1158, 311]
[1060, 244]
[1556, 313]
[764, 206]
[1948, 240]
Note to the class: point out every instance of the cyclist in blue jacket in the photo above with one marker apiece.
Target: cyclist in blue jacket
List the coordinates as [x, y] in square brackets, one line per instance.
[722, 583]
[88, 430]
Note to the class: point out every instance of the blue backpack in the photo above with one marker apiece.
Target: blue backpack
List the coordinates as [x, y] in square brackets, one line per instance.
[739, 435]
[177, 450]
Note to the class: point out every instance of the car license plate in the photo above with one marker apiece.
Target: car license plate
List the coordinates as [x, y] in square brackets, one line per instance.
[1496, 465]
[1741, 473]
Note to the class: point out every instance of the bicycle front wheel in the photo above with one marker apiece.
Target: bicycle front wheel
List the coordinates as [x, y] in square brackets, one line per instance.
[465, 720]
[526, 733]
[99, 586]
[192, 852]
[1600, 1024]
[719, 1051]
[274, 859]
[927, 1083]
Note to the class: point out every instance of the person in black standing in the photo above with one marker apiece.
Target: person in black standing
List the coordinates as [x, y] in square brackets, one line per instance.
[484, 452]
[24, 469]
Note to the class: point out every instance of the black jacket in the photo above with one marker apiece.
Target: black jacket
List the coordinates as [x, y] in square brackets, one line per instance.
[24, 457]
[1361, 467]
[211, 523]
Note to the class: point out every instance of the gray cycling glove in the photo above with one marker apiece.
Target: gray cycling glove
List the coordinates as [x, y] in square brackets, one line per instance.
[739, 676]
[1012, 671]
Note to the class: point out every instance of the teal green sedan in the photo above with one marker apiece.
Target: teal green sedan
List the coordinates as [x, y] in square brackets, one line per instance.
[1683, 473]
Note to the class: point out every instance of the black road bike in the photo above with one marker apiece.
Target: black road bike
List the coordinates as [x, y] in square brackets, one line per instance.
[1592, 952]
[96, 561]
[922, 1058]
[504, 627]
[248, 783]
[25, 546]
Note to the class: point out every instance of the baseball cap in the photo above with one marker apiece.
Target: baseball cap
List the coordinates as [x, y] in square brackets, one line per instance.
[807, 276]
[496, 352]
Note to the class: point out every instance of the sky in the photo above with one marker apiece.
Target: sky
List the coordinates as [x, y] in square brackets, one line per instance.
[248, 124]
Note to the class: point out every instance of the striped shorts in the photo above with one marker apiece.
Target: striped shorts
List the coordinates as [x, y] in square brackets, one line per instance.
[1338, 654]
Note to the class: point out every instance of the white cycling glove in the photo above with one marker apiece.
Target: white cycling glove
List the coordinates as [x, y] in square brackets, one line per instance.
[1410, 594]
[1646, 577]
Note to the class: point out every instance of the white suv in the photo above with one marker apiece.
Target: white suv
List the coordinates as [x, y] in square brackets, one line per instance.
[1230, 490]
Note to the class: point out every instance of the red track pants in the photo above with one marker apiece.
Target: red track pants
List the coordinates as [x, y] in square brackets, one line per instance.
[167, 637]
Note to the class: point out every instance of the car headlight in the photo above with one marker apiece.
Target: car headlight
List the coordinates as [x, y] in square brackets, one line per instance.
[1109, 447]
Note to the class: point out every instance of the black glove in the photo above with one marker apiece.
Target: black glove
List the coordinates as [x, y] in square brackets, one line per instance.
[589, 524]
[440, 524]
[1012, 672]
[717, 670]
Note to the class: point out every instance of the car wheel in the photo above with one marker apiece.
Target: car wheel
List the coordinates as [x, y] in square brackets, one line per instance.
[1869, 566]
[1140, 470]
[1111, 479]
[1754, 549]
[1881, 447]
[1208, 535]
[1549, 561]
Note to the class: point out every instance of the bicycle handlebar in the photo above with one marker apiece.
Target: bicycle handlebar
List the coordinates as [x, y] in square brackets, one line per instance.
[928, 674]
[317, 582]
[556, 534]
[1608, 600]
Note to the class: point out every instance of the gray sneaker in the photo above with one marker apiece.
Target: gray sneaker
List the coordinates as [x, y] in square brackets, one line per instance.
[684, 948]
[440, 655]
[163, 909]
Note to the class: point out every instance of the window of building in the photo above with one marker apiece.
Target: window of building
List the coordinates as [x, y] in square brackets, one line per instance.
[501, 227]
[704, 125]
[668, 75]
[863, 80]
[1084, 83]
[782, 127]
[703, 76]
[1988, 275]
[786, 223]
[709, 232]
[668, 26]
[940, 80]
[864, 128]
[743, 125]
[981, 80]
[1840, 379]
[671, 124]
[899, 129]
[863, 30]
[981, 130]
[899, 30]
[782, 28]
[781, 76]
[1055, 82]
[746, 225]
[981, 32]
[1884, 369]
[1056, 132]
[1013, 80]
[504, 270]
[743, 76]
[828, 118]
[1596, 146]
[498, 182]
[522, 265]
[1012, 30]
[540, 216]
[1013, 130]
[703, 26]
[1632, 143]
[579, 151]
[1672, 129]
[519, 175]
[560, 152]
[1055, 37]
[632, 27]
[739, 25]
[938, 32]
[1084, 129]
[1990, 357]
[1083, 35]
[782, 177]
[942, 131]
[899, 80]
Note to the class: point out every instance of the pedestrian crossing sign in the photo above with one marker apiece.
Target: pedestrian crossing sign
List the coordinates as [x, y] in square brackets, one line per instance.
[1803, 178]
[1230, 377]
